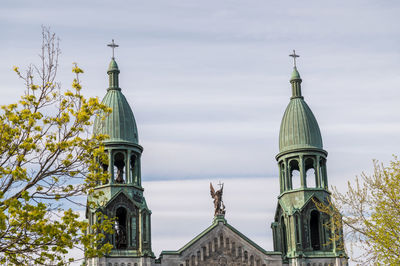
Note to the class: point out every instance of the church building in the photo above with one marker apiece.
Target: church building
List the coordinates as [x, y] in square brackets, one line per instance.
[300, 232]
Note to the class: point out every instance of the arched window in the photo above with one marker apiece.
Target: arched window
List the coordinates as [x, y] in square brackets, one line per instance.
[120, 228]
[295, 174]
[284, 239]
[314, 230]
[119, 163]
[310, 173]
[198, 255]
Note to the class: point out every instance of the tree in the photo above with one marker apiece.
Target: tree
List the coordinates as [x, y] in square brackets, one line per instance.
[47, 164]
[371, 214]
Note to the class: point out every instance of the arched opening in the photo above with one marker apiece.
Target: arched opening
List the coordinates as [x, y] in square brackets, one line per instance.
[295, 174]
[311, 177]
[120, 228]
[105, 169]
[119, 163]
[233, 249]
[198, 256]
[314, 230]
[284, 239]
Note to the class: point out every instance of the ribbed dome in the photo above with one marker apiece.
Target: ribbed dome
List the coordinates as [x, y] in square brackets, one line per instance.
[299, 128]
[120, 125]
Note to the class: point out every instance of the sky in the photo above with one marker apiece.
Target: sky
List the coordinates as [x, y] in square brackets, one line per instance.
[208, 82]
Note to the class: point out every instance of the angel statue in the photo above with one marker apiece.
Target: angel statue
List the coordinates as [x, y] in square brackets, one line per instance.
[217, 196]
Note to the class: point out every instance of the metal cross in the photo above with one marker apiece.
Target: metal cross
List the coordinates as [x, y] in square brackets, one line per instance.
[294, 55]
[220, 184]
[113, 46]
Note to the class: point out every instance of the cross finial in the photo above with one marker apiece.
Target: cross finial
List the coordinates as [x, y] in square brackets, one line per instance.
[220, 184]
[294, 55]
[113, 45]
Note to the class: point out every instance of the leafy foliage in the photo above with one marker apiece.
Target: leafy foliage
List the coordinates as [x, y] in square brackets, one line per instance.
[46, 166]
[371, 214]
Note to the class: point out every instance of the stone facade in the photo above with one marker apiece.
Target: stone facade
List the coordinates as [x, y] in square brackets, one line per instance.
[220, 244]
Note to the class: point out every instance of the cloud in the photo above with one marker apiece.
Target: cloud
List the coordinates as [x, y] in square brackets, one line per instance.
[208, 81]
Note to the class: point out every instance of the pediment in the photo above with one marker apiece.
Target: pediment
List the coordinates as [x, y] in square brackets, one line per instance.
[222, 244]
[120, 200]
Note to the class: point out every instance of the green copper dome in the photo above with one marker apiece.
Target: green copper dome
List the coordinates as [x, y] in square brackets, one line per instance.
[113, 66]
[295, 74]
[299, 128]
[120, 125]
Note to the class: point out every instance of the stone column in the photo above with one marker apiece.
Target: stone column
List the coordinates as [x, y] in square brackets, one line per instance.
[318, 172]
[281, 176]
[288, 176]
[138, 173]
[111, 165]
[303, 181]
[128, 167]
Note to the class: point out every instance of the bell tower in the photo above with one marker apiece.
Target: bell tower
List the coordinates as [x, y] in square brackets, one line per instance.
[122, 194]
[300, 230]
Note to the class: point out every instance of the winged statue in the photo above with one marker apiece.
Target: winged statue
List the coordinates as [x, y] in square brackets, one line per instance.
[218, 202]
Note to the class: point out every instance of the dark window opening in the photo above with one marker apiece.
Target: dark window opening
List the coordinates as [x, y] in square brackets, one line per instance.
[120, 229]
[297, 230]
[314, 230]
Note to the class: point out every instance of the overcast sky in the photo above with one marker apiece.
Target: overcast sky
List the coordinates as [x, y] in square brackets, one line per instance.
[208, 82]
